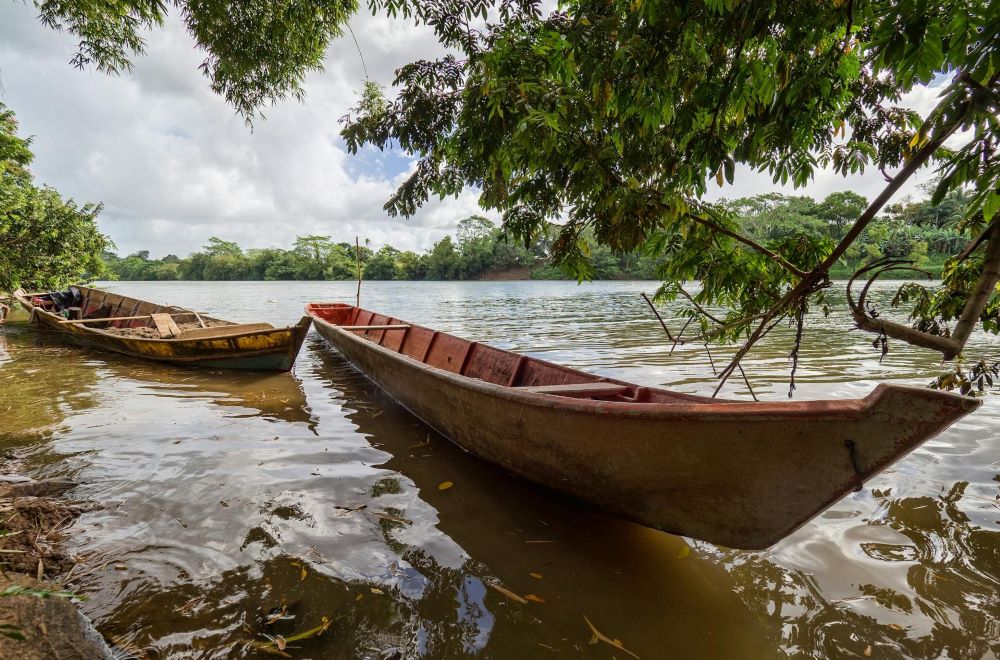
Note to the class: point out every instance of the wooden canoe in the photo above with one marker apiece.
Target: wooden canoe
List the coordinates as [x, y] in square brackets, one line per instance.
[167, 334]
[738, 474]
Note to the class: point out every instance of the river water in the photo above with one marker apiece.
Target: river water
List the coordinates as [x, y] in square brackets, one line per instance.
[235, 499]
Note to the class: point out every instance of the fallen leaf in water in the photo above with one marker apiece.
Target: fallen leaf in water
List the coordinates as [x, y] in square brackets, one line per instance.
[421, 444]
[359, 597]
[391, 518]
[280, 615]
[896, 626]
[121, 567]
[683, 551]
[506, 592]
[533, 598]
[191, 604]
[868, 651]
[376, 590]
[280, 642]
[537, 576]
[598, 636]
[445, 485]
[303, 573]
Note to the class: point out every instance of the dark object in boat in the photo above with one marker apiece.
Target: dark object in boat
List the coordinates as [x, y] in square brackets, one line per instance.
[739, 474]
[165, 334]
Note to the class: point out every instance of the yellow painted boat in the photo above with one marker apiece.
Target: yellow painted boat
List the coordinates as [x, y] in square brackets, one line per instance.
[112, 322]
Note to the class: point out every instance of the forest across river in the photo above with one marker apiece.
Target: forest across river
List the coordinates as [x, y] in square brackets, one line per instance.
[310, 498]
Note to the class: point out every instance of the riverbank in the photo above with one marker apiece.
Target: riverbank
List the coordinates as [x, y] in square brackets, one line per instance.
[38, 615]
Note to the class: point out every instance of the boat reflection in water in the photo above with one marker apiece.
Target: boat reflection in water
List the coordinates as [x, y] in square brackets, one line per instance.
[51, 366]
[395, 562]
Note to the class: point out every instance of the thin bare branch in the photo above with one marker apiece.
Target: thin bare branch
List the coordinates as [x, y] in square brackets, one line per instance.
[698, 307]
[677, 340]
[747, 381]
[777, 258]
[974, 245]
[658, 317]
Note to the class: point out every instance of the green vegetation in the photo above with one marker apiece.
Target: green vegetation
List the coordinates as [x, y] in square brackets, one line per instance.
[618, 116]
[45, 241]
[479, 252]
[613, 117]
[917, 231]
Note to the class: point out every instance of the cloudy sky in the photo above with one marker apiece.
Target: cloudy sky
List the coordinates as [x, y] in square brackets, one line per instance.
[174, 165]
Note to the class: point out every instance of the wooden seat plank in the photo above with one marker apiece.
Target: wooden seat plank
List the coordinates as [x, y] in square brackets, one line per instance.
[224, 330]
[165, 326]
[578, 389]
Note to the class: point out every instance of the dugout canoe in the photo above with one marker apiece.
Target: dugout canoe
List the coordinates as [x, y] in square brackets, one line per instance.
[112, 322]
[738, 474]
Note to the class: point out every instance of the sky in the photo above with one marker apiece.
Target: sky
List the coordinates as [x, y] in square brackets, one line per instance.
[174, 165]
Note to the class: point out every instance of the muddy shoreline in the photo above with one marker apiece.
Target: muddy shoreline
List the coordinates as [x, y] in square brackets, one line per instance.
[38, 613]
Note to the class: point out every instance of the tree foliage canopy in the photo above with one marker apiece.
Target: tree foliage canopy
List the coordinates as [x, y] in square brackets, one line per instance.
[614, 117]
[45, 241]
[618, 116]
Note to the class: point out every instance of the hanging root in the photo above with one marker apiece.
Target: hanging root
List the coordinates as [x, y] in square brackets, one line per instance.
[800, 315]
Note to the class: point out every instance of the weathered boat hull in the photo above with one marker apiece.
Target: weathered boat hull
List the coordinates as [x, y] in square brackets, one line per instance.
[743, 475]
[262, 350]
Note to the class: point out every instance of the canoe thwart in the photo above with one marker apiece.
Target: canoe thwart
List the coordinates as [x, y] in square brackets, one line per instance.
[578, 389]
[212, 332]
[375, 327]
[165, 326]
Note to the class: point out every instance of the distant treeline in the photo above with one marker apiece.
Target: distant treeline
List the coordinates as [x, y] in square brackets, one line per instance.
[918, 231]
[479, 251]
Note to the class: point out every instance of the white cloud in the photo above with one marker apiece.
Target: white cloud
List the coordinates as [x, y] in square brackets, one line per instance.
[174, 165]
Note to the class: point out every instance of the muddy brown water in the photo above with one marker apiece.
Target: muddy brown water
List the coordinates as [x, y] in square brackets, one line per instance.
[232, 497]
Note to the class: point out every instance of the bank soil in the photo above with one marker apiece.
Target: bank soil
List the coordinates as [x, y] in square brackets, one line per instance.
[38, 618]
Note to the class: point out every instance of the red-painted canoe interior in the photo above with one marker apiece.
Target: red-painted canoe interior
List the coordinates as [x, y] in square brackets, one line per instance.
[493, 365]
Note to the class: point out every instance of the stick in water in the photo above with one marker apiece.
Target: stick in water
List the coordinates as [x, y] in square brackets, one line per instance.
[357, 255]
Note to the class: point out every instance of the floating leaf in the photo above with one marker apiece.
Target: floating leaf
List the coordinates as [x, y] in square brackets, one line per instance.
[506, 592]
[391, 518]
[683, 551]
[533, 598]
[598, 636]
[537, 576]
[445, 485]
[376, 590]
[303, 573]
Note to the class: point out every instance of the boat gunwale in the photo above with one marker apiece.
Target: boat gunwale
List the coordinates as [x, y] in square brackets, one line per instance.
[720, 409]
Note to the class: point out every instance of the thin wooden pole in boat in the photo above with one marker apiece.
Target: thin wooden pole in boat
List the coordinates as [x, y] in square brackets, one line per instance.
[357, 256]
[120, 318]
